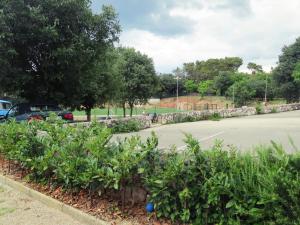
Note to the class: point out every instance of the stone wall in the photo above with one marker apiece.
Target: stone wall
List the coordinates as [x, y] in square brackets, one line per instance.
[224, 113]
[281, 108]
[145, 121]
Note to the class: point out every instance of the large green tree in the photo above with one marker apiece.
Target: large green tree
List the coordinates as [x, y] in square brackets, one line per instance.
[55, 50]
[284, 73]
[190, 86]
[241, 92]
[139, 80]
[222, 82]
[255, 68]
[206, 87]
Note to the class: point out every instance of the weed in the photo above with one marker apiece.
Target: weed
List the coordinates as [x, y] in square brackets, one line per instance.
[215, 117]
[4, 211]
[259, 108]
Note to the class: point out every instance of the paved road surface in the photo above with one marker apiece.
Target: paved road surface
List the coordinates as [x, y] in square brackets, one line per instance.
[18, 209]
[243, 132]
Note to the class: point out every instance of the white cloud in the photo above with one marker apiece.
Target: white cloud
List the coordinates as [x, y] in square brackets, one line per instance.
[217, 33]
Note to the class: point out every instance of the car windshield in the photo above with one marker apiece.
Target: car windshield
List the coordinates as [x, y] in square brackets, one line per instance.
[39, 108]
[5, 106]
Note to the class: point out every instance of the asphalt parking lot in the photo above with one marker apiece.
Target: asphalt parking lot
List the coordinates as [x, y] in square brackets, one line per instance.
[244, 132]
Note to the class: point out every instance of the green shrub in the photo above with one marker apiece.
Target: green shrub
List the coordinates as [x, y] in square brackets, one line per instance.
[197, 186]
[215, 117]
[274, 110]
[227, 187]
[182, 118]
[75, 157]
[126, 126]
[259, 108]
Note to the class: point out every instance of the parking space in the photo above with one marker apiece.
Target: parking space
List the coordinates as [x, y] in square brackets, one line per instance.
[243, 132]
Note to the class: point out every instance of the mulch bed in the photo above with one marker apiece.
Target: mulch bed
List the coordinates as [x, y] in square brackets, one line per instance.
[102, 207]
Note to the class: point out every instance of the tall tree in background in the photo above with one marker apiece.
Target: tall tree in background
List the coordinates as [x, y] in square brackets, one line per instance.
[139, 80]
[55, 50]
[190, 86]
[168, 86]
[283, 73]
[222, 82]
[209, 69]
[296, 72]
[206, 87]
[255, 68]
[241, 92]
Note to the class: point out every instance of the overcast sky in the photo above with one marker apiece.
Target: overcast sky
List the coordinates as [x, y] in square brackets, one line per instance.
[176, 31]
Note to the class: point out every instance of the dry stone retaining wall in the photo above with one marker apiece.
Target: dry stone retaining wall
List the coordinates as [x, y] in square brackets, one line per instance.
[225, 113]
[145, 121]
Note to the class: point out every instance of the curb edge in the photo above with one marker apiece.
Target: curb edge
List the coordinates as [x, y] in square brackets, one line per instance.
[76, 214]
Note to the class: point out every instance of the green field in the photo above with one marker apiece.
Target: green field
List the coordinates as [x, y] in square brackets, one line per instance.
[119, 111]
[139, 111]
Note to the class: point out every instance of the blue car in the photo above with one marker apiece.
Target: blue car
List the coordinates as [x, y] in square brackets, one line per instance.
[4, 107]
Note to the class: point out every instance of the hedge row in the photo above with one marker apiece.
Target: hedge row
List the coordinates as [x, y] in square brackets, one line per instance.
[195, 186]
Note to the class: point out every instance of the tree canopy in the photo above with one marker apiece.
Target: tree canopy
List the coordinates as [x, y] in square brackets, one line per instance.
[255, 68]
[168, 86]
[284, 74]
[209, 69]
[139, 80]
[55, 50]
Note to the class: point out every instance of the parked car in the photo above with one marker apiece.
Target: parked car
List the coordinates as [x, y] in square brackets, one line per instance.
[31, 111]
[4, 107]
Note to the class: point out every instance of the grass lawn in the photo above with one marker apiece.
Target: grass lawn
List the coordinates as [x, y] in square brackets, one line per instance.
[119, 111]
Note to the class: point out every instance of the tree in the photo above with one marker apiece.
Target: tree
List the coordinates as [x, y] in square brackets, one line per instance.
[55, 50]
[222, 82]
[190, 86]
[178, 72]
[168, 86]
[209, 69]
[255, 68]
[205, 87]
[241, 91]
[296, 72]
[284, 74]
[139, 80]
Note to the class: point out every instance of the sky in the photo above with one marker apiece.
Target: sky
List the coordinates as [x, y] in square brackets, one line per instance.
[173, 32]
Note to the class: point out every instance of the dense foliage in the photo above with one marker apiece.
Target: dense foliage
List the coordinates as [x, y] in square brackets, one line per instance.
[56, 50]
[126, 126]
[227, 187]
[285, 74]
[168, 86]
[212, 186]
[209, 69]
[138, 78]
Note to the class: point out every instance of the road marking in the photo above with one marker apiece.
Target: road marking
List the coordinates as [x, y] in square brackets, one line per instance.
[203, 139]
[212, 136]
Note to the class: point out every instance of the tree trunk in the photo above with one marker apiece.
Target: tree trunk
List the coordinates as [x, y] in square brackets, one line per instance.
[108, 111]
[124, 110]
[131, 109]
[88, 112]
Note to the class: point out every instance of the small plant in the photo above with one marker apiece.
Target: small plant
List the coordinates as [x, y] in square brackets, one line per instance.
[182, 118]
[274, 110]
[126, 126]
[215, 117]
[259, 108]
